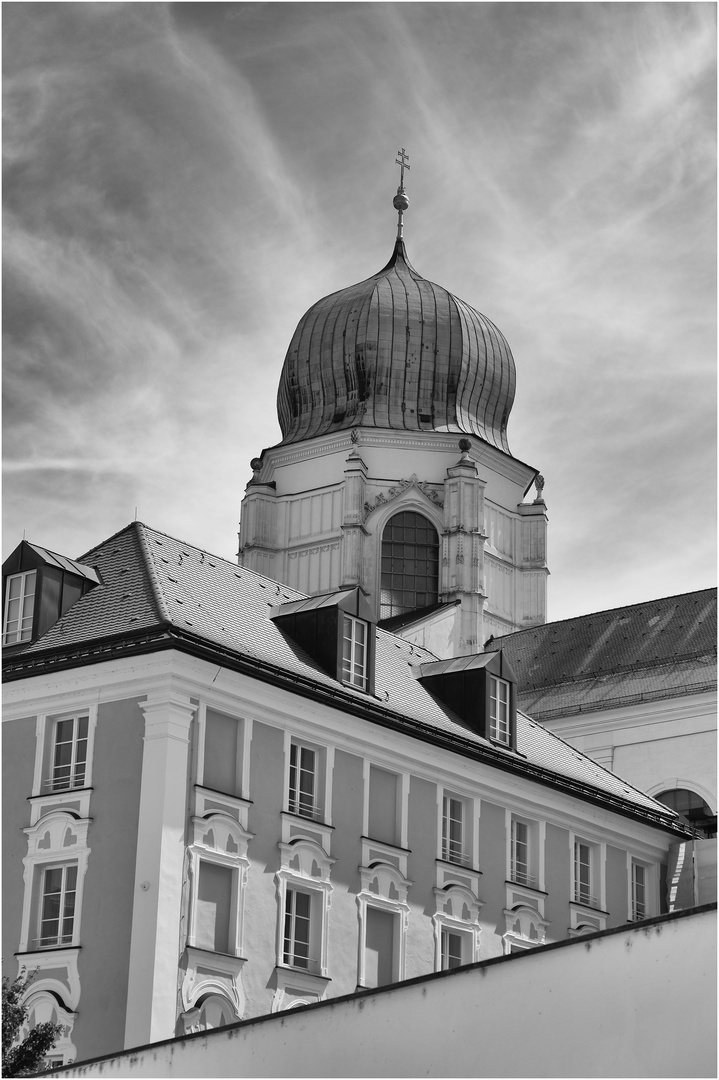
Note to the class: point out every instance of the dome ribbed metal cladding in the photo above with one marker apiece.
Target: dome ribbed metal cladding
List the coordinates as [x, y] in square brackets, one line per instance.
[397, 352]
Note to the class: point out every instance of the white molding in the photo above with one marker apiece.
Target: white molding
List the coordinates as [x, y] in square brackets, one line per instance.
[54, 960]
[227, 848]
[42, 996]
[598, 868]
[298, 861]
[532, 927]
[58, 838]
[449, 901]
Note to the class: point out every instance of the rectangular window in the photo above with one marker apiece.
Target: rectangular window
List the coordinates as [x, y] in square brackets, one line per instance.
[521, 854]
[383, 817]
[499, 727]
[57, 906]
[354, 652]
[380, 947]
[214, 908]
[69, 753]
[19, 607]
[583, 874]
[303, 781]
[451, 949]
[639, 891]
[296, 946]
[453, 830]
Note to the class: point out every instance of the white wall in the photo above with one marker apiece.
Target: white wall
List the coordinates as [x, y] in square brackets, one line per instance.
[654, 745]
[639, 1002]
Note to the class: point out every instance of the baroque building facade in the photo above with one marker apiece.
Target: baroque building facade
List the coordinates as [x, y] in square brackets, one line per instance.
[241, 788]
[238, 799]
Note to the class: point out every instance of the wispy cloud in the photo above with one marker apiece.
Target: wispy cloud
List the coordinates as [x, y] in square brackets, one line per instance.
[183, 181]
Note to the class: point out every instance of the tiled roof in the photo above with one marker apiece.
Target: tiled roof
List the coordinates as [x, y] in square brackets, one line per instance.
[659, 649]
[152, 582]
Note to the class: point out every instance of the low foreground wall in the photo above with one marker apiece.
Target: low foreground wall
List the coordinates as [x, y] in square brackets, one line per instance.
[638, 1001]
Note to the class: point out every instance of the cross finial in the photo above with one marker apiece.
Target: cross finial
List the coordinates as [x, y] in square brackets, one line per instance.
[400, 201]
[402, 162]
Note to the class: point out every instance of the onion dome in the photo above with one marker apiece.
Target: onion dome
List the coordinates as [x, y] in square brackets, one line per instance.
[398, 352]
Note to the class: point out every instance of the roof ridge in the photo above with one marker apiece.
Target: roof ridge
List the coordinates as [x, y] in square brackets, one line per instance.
[605, 611]
[149, 561]
[105, 542]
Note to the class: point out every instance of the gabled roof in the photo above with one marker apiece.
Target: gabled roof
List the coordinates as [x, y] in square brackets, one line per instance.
[157, 592]
[48, 558]
[659, 649]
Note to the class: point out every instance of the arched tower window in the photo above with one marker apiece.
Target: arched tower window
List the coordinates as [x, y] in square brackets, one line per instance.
[692, 808]
[410, 564]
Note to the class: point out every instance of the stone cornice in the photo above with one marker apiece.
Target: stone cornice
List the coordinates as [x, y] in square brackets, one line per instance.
[444, 442]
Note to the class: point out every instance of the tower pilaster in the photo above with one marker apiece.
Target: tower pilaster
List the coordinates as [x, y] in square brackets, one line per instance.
[353, 530]
[462, 574]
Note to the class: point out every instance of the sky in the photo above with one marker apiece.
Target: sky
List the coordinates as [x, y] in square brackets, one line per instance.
[182, 181]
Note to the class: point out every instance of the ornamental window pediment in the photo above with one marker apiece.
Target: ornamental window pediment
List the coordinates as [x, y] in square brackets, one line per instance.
[458, 903]
[524, 925]
[221, 835]
[58, 833]
[385, 882]
[307, 859]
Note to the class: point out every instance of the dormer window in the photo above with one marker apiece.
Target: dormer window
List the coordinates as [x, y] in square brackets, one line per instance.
[499, 698]
[19, 607]
[337, 630]
[354, 652]
[38, 588]
[480, 689]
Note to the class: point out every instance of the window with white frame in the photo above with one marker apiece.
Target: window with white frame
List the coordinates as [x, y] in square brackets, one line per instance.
[451, 949]
[499, 710]
[583, 876]
[454, 829]
[297, 930]
[68, 766]
[55, 867]
[639, 891]
[588, 886]
[456, 927]
[58, 894]
[19, 607]
[456, 948]
[303, 894]
[521, 864]
[354, 651]
[305, 796]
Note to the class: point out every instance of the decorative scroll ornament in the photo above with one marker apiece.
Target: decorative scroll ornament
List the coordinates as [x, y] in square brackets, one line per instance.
[404, 485]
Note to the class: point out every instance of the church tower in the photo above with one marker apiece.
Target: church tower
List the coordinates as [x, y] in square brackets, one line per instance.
[371, 486]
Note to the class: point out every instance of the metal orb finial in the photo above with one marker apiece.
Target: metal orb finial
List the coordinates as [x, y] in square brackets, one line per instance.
[400, 201]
